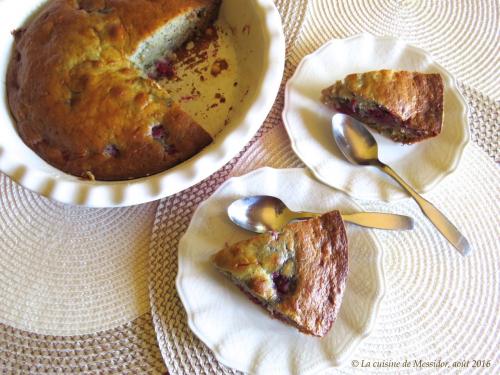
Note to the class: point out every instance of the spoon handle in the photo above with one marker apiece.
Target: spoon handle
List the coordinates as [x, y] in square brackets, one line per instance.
[379, 220]
[376, 220]
[441, 222]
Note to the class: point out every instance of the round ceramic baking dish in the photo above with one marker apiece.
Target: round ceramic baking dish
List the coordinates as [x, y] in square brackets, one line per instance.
[259, 45]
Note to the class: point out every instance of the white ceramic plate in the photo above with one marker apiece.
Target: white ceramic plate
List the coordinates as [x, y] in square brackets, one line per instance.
[260, 46]
[240, 333]
[308, 121]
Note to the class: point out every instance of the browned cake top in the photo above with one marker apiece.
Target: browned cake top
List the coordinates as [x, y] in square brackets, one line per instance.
[415, 98]
[80, 103]
[321, 258]
[299, 273]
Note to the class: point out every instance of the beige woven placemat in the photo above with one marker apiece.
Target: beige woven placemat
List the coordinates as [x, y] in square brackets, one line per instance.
[70, 270]
[73, 287]
[128, 349]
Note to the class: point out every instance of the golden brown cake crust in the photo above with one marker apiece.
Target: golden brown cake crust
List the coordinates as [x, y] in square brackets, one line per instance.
[414, 99]
[80, 103]
[299, 274]
[322, 272]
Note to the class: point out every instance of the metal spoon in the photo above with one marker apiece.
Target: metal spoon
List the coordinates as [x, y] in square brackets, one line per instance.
[264, 213]
[359, 147]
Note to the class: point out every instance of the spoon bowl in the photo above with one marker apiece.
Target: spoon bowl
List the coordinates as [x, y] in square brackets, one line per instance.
[359, 146]
[260, 213]
[355, 142]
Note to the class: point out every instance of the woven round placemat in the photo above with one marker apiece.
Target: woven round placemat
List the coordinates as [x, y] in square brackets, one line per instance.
[128, 349]
[70, 270]
[440, 306]
[73, 287]
[484, 115]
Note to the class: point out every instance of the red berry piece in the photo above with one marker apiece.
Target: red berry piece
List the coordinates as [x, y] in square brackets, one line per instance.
[164, 68]
[282, 283]
[112, 150]
[159, 132]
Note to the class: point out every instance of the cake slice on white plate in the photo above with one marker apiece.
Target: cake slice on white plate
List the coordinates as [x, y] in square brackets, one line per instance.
[298, 274]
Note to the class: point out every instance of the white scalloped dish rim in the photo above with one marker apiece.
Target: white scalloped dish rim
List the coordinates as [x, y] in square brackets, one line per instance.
[307, 121]
[25, 167]
[241, 334]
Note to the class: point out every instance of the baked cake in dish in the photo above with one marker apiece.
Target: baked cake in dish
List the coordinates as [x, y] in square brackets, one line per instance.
[80, 94]
[405, 106]
[298, 274]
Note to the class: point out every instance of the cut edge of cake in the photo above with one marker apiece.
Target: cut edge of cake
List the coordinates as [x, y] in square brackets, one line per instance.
[404, 106]
[168, 38]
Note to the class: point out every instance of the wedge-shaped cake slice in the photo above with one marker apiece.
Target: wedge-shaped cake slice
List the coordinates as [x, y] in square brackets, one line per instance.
[298, 274]
[405, 106]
